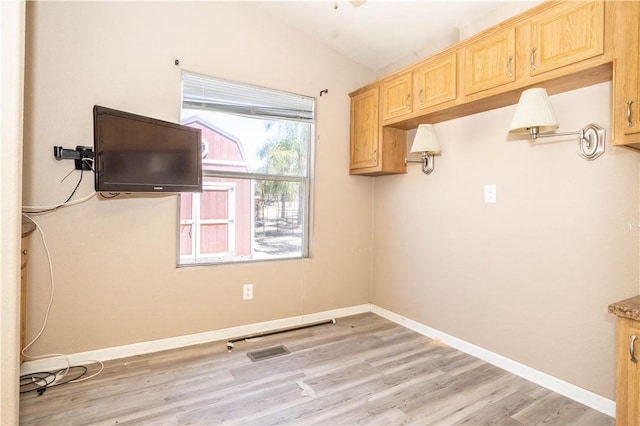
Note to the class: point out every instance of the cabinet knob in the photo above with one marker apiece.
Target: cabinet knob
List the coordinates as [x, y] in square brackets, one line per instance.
[631, 348]
[629, 122]
[24, 252]
[532, 59]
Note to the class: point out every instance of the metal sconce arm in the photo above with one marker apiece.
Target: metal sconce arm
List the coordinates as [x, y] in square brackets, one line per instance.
[426, 159]
[590, 142]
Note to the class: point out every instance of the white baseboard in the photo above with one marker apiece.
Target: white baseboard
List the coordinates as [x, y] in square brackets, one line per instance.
[106, 354]
[573, 392]
[576, 393]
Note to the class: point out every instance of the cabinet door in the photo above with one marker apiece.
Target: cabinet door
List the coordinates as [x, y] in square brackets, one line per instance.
[630, 64]
[570, 32]
[628, 380]
[435, 82]
[633, 383]
[365, 129]
[489, 62]
[396, 96]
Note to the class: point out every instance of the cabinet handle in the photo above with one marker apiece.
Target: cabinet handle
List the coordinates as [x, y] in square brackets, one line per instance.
[631, 349]
[408, 100]
[629, 122]
[420, 96]
[24, 252]
[374, 156]
[532, 59]
[509, 66]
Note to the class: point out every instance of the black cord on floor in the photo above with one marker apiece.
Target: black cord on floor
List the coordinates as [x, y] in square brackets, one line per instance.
[41, 381]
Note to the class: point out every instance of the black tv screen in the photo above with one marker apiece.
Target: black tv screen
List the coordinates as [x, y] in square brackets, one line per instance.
[133, 153]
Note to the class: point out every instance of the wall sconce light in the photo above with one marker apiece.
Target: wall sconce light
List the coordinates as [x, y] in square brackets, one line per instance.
[534, 115]
[425, 142]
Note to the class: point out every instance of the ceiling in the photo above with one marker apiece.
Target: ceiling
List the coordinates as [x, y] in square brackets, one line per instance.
[381, 33]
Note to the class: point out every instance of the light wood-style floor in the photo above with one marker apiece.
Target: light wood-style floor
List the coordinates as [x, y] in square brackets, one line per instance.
[361, 370]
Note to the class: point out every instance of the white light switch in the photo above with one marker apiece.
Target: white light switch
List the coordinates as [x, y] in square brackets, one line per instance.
[489, 193]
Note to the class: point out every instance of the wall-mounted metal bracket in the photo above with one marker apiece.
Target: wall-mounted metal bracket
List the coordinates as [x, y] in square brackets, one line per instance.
[83, 156]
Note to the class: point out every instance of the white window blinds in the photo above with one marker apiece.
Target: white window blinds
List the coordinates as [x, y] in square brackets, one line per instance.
[206, 93]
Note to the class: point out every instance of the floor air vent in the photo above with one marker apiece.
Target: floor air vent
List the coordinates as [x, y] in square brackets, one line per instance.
[267, 353]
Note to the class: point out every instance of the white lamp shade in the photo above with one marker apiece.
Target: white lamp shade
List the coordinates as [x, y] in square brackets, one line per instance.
[534, 110]
[426, 140]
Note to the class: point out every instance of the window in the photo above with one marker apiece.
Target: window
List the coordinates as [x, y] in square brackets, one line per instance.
[256, 146]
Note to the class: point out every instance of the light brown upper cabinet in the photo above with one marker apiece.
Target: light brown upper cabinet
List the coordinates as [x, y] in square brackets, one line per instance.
[374, 150]
[489, 61]
[566, 34]
[560, 45]
[396, 96]
[627, 99]
[365, 127]
[434, 82]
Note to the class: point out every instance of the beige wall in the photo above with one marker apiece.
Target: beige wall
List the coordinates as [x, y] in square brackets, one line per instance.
[114, 260]
[529, 277]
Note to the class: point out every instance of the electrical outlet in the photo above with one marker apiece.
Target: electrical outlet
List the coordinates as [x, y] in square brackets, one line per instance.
[247, 291]
[490, 193]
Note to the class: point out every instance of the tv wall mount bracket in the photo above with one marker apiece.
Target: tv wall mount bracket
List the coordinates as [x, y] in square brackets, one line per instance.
[82, 155]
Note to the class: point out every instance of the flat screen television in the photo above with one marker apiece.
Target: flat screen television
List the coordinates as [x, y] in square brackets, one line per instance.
[133, 153]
